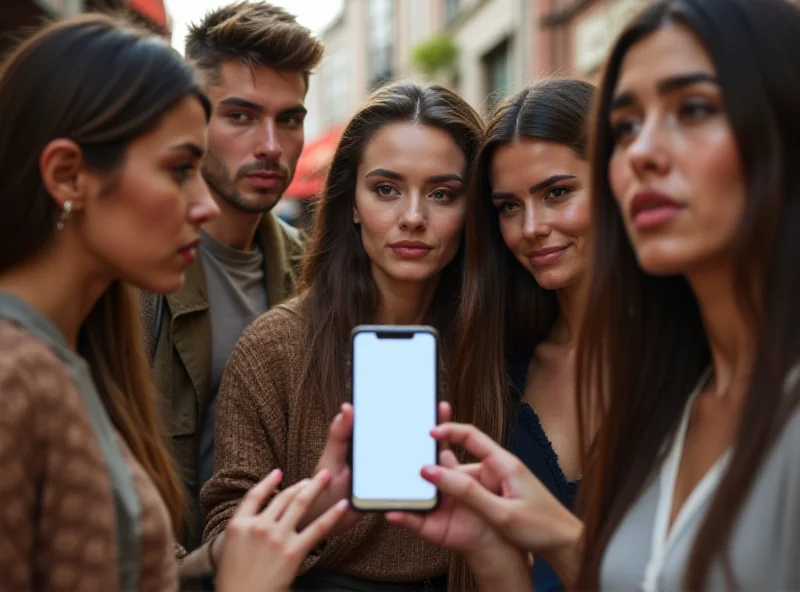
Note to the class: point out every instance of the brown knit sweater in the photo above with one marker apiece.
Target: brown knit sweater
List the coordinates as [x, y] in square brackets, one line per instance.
[57, 520]
[258, 429]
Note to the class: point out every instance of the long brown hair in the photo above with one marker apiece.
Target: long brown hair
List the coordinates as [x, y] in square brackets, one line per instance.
[101, 84]
[642, 344]
[336, 277]
[502, 307]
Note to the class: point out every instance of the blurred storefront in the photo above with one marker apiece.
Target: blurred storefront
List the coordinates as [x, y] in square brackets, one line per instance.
[309, 178]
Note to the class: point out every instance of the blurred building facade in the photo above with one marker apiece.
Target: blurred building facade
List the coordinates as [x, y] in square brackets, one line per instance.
[482, 49]
[19, 16]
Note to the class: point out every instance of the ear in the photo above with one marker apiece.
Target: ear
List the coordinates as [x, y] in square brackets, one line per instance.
[356, 217]
[64, 173]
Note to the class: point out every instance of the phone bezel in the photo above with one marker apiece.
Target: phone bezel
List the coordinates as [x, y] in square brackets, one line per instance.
[388, 505]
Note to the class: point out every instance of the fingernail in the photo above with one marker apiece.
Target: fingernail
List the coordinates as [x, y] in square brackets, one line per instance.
[338, 417]
[342, 504]
[324, 474]
[431, 472]
[302, 482]
[274, 472]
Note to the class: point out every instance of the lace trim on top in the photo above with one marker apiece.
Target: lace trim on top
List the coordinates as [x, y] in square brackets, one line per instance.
[531, 422]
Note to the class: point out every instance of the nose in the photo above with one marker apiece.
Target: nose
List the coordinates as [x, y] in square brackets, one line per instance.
[202, 207]
[648, 153]
[535, 223]
[414, 216]
[269, 147]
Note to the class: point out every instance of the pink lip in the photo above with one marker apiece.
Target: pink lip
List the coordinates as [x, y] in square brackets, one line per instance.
[410, 249]
[189, 252]
[265, 180]
[650, 210]
[548, 256]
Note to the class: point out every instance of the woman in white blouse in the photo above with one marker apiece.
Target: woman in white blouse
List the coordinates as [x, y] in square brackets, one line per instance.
[691, 331]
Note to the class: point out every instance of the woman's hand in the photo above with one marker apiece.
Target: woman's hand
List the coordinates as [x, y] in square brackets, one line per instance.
[495, 563]
[504, 493]
[334, 460]
[264, 549]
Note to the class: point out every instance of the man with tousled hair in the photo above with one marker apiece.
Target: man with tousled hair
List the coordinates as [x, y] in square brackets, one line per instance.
[256, 61]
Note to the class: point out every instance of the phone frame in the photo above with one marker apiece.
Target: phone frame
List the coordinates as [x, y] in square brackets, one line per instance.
[388, 505]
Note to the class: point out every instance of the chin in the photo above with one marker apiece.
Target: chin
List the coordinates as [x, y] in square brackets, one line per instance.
[165, 285]
[554, 279]
[658, 262]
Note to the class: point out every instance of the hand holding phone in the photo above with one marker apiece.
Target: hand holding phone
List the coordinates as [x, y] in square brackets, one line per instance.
[395, 392]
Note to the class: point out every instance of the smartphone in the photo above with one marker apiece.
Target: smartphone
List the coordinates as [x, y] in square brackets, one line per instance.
[395, 395]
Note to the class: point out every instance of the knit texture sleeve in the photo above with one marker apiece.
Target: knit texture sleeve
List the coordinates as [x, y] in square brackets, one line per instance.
[250, 432]
[57, 516]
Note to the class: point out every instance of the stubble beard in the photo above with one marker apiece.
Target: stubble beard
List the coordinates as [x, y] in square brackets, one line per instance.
[219, 180]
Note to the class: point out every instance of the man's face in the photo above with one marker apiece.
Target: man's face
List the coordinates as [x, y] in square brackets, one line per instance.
[255, 136]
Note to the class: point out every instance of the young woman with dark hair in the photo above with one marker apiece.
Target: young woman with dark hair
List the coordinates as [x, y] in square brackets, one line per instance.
[691, 342]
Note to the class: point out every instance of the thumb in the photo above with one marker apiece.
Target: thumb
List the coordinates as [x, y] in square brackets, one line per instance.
[337, 445]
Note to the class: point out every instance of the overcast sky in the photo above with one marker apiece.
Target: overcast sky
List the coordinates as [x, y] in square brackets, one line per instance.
[314, 14]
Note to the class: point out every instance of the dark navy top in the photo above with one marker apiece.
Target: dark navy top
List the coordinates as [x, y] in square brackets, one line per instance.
[530, 444]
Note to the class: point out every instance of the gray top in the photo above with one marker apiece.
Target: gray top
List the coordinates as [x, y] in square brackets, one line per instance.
[128, 509]
[765, 542]
[237, 295]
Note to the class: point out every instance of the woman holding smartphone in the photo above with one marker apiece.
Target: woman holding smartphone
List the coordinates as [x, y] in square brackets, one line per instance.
[691, 335]
[104, 128]
[527, 260]
[386, 249]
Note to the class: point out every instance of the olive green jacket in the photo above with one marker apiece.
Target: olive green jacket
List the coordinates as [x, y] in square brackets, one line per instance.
[178, 334]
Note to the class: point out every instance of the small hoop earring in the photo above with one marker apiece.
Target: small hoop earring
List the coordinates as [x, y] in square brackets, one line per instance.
[64, 215]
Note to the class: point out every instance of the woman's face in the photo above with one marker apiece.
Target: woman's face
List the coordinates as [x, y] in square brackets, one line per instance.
[539, 190]
[410, 202]
[675, 170]
[146, 228]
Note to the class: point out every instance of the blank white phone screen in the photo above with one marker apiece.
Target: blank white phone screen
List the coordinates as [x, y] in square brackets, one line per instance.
[394, 401]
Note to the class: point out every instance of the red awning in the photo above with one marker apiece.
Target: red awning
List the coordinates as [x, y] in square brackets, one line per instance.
[152, 10]
[313, 165]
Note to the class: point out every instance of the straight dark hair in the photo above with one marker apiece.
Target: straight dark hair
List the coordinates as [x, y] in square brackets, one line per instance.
[336, 279]
[502, 306]
[100, 83]
[642, 345]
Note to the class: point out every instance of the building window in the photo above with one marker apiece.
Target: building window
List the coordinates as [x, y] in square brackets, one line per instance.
[336, 86]
[497, 67]
[381, 31]
[451, 9]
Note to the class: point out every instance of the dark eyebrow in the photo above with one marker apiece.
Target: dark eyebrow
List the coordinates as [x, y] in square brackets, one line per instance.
[385, 173]
[664, 87]
[499, 195]
[445, 178]
[242, 103]
[193, 148]
[294, 110]
[549, 182]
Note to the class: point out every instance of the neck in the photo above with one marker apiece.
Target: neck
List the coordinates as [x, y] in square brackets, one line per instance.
[731, 338]
[568, 313]
[404, 303]
[233, 227]
[65, 298]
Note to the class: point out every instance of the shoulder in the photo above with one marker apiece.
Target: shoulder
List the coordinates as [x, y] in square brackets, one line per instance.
[37, 394]
[293, 235]
[27, 363]
[274, 340]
